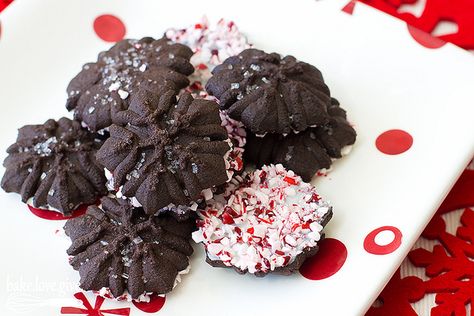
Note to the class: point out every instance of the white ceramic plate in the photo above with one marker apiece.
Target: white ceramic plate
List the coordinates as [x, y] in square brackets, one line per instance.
[381, 75]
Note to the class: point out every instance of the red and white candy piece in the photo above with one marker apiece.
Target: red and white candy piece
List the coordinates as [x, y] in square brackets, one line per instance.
[263, 221]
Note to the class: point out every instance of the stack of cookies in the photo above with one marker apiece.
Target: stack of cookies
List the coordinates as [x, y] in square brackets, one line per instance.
[287, 109]
[161, 160]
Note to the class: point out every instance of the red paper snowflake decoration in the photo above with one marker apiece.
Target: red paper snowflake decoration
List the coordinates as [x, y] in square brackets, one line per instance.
[450, 267]
[395, 299]
[462, 194]
[460, 12]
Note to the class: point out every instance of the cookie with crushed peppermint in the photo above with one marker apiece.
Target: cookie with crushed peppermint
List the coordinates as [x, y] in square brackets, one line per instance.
[238, 137]
[235, 130]
[308, 152]
[54, 165]
[170, 153]
[268, 221]
[107, 86]
[120, 250]
[269, 93]
[212, 43]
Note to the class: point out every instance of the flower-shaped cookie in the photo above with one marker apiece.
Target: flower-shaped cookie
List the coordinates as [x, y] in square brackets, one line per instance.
[270, 93]
[119, 247]
[108, 85]
[307, 152]
[169, 152]
[55, 164]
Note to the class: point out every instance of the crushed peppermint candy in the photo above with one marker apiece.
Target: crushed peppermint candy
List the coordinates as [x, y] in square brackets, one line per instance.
[180, 210]
[212, 44]
[263, 220]
[238, 139]
[145, 297]
[123, 94]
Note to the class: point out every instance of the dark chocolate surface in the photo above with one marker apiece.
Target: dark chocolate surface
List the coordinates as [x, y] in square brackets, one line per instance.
[120, 247]
[55, 164]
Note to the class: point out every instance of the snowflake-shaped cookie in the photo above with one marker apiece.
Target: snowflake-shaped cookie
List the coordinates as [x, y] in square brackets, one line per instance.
[108, 85]
[119, 247]
[307, 152]
[55, 164]
[269, 93]
[169, 152]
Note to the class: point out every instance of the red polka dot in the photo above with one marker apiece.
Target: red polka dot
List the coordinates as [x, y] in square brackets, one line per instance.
[4, 4]
[56, 216]
[156, 303]
[330, 258]
[372, 247]
[425, 39]
[109, 28]
[349, 8]
[394, 142]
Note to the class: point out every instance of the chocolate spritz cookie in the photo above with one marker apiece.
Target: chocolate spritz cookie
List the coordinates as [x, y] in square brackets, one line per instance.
[108, 85]
[307, 152]
[269, 93]
[169, 154]
[268, 222]
[120, 250]
[54, 164]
